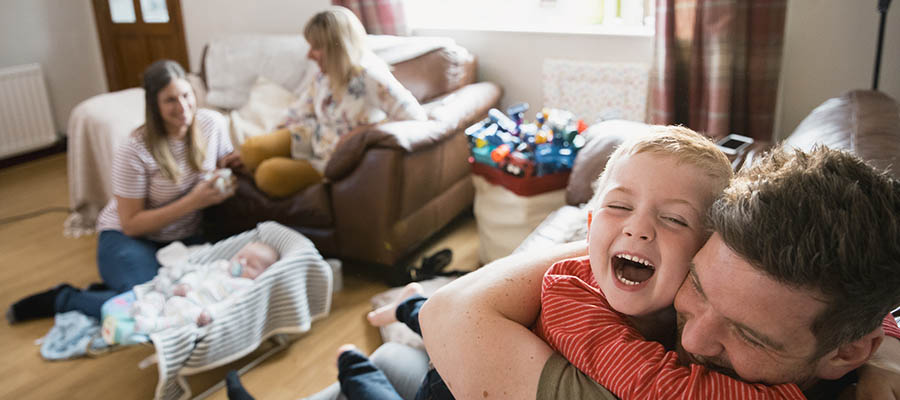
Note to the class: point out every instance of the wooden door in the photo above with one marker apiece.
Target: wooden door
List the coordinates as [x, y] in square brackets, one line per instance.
[134, 34]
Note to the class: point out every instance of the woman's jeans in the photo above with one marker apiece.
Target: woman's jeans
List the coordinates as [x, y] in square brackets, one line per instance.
[123, 262]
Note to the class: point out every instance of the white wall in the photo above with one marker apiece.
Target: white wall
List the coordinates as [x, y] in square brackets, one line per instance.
[205, 20]
[62, 37]
[829, 48]
[514, 59]
[511, 59]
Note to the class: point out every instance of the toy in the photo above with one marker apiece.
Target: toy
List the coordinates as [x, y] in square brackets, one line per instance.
[517, 112]
[504, 121]
[222, 179]
[523, 149]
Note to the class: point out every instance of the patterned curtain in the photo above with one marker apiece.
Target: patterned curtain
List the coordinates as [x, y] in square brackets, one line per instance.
[379, 17]
[716, 65]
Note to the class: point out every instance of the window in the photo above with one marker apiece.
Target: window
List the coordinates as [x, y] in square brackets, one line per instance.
[122, 11]
[155, 11]
[589, 16]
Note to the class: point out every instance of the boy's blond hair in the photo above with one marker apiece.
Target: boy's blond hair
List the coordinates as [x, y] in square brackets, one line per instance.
[687, 146]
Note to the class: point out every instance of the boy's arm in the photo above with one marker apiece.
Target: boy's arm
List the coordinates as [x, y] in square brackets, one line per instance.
[476, 328]
[879, 378]
[579, 324]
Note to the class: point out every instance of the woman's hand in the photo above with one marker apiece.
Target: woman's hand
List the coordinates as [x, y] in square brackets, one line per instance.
[354, 132]
[206, 193]
[231, 160]
[137, 221]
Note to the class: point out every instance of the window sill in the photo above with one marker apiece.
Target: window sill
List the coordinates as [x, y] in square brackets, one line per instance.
[598, 30]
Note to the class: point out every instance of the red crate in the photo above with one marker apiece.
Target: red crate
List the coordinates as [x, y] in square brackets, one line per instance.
[522, 186]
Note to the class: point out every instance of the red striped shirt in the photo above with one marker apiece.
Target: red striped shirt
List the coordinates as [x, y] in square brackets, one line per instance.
[578, 322]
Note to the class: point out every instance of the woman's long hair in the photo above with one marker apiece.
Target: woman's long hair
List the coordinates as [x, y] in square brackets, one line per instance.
[156, 77]
[339, 35]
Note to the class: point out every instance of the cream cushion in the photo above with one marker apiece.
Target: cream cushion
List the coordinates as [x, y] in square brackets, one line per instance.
[266, 107]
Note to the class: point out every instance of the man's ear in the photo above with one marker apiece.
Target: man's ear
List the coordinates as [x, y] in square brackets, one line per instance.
[850, 356]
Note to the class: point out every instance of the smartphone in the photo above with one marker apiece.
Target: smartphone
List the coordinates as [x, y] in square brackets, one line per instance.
[733, 144]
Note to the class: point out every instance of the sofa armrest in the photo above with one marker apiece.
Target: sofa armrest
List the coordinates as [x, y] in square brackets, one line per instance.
[401, 135]
[449, 114]
[199, 89]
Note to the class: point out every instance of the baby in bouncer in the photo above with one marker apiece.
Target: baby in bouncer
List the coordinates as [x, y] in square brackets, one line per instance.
[188, 293]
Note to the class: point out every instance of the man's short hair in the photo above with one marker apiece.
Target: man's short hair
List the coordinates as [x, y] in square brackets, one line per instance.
[685, 145]
[823, 221]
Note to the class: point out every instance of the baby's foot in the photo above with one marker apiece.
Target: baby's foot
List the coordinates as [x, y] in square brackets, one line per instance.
[387, 313]
[181, 289]
[204, 318]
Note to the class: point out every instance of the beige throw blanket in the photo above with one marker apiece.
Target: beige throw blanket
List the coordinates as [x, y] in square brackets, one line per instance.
[93, 140]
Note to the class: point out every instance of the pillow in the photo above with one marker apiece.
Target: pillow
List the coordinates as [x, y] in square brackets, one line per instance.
[398, 331]
[267, 105]
[233, 63]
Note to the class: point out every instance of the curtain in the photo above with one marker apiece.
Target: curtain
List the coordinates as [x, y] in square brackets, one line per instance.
[379, 17]
[716, 65]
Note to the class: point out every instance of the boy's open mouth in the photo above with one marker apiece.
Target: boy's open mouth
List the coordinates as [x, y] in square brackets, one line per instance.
[632, 270]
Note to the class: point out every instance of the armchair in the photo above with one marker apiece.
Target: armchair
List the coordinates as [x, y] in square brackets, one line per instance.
[388, 189]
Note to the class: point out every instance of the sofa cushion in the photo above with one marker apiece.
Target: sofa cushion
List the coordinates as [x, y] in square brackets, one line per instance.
[266, 107]
[231, 66]
[864, 122]
[427, 66]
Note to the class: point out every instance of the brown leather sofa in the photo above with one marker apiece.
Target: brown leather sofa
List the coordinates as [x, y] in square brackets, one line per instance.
[863, 122]
[390, 188]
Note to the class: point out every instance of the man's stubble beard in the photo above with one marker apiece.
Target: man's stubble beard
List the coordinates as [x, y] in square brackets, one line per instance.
[804, 378]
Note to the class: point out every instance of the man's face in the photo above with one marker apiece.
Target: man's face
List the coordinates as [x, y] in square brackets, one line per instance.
[736, 320]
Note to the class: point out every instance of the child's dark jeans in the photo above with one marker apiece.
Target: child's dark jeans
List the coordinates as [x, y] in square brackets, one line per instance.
[361, 380]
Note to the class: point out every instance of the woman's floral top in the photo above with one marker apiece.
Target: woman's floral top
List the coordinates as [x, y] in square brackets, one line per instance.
[319, 118]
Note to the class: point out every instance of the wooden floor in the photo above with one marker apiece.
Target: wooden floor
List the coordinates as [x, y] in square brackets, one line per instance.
[34, 255]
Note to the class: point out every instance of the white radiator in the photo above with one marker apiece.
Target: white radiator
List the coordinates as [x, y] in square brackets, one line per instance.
[596, 91]
[26, 122]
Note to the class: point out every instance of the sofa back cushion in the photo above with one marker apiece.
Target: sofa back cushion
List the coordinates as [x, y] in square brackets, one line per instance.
[231, 66]
[428, 67]
[602, 140]
[864, 122]
[437, 72]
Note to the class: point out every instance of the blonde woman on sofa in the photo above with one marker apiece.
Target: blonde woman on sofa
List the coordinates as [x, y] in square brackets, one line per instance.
[159, 187]
[353, 90]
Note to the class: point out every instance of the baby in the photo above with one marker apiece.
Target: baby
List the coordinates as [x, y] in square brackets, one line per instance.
[186, 293]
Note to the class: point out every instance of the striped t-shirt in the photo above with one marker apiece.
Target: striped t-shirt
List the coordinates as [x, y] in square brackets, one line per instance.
[136, 175]
[578, 322]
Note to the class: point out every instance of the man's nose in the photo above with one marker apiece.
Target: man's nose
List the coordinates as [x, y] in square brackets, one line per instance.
[701, 335]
